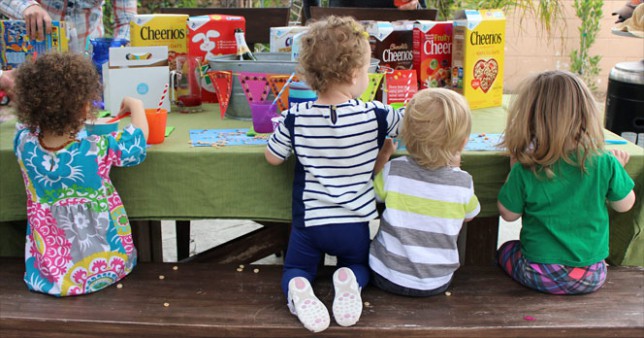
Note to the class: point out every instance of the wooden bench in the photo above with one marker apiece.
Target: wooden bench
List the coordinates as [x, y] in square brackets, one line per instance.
[217, 300]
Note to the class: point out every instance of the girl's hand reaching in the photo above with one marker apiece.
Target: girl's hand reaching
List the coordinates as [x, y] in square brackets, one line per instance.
[621, 156]
[135, 107]
[388, 149]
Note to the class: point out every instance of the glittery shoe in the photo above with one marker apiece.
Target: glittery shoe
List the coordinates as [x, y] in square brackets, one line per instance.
[347, 304]
[308, 308]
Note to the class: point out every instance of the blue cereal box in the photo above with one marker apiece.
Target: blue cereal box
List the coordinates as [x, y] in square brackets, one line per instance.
[17, 47]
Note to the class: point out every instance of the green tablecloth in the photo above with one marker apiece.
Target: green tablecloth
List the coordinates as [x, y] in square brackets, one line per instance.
[178, 181]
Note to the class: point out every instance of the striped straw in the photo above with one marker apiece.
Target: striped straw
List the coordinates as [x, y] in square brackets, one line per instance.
[165, 91]
[288, 82]
[407, 88]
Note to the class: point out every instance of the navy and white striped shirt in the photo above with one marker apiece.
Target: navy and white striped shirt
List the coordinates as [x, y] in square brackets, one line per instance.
[336, 148]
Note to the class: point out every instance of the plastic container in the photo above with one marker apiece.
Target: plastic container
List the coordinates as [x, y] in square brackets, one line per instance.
[100, 127]
[270, 63]
[299, 92]
[262, 113]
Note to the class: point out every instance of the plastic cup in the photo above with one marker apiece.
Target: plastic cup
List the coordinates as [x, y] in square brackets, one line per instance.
[277, 119]
[100, 127]
[629, 136]
[262, 113]
[156, 125]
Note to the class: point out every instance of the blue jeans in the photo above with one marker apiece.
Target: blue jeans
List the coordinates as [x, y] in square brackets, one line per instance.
[349, 242]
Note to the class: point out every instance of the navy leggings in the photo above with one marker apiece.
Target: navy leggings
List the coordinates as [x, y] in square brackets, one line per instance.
[348, 242]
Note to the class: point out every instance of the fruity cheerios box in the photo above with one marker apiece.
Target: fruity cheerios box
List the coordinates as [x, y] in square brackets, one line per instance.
[433, 53]
[477, 56]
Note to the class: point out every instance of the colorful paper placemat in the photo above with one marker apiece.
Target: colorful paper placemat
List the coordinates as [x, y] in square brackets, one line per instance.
[225, 137]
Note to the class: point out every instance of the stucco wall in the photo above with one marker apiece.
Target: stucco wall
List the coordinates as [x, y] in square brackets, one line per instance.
[528, 51]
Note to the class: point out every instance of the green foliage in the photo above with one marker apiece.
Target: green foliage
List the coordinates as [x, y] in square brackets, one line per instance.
[590, 12]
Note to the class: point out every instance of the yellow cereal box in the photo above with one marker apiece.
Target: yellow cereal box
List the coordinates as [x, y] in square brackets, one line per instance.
[169, 30]
[477, 56]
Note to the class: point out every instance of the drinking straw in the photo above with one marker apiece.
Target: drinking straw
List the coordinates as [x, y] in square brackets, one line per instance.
[407, 88]
[277, 97]
[165, 91]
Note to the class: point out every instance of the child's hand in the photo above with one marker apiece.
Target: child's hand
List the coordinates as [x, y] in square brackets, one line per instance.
[128, 104]
[621, 156]
[389, 148]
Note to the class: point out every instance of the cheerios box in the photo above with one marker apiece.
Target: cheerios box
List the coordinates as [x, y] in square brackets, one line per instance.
[212, 35]
[433, 53]
[478, 55]
[391, 42]
[281, 38]
[169, 30]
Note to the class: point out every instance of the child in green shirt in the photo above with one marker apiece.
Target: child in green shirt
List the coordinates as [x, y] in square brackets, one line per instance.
[560, 180]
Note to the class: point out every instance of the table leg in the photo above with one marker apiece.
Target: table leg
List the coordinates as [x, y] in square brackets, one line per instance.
[183, 239]
[147, 239]
[482, 234]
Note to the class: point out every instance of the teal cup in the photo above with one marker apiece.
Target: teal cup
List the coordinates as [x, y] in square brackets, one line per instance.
[101, 127]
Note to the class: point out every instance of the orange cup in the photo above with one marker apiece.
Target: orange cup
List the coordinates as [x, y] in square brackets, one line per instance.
[156, 124]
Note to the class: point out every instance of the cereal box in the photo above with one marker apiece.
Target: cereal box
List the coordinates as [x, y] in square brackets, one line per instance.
[282, 38]
[212, 35]
[17, 47]
[477, 56]
[433, 53]
[169, 30]
[391, 43]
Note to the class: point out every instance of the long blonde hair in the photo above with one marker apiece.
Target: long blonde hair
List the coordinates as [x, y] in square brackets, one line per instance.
[553, 116]
[436, 124]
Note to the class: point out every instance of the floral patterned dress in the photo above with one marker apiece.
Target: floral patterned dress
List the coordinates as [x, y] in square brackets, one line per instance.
[79, 238]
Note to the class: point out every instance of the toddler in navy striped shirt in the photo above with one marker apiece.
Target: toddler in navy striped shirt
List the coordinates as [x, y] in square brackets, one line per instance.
[335, 140]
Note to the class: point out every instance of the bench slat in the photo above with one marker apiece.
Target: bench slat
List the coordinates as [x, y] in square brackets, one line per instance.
[211, 299]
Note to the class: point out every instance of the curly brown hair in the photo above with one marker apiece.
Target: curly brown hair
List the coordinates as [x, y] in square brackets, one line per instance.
[331, 50]
[53, 92]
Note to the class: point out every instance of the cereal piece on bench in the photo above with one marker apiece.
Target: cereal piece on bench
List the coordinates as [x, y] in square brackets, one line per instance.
[240, 269]
[367, 304]
[447, 293]
[175, 268]
[166, 304]
[256, 270]
[119, 286]
[241, 266]
[161, 277]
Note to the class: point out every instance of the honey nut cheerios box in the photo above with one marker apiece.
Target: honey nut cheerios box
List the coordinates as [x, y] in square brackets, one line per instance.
[169, 30]
[433, 53]
[478, 56]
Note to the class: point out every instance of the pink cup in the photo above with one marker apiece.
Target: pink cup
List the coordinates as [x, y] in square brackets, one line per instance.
[262, 113]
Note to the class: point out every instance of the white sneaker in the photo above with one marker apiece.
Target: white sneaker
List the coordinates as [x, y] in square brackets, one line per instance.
[347, 304]
[306, 306]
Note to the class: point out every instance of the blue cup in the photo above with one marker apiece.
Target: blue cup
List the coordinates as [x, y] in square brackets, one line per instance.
[300, 92]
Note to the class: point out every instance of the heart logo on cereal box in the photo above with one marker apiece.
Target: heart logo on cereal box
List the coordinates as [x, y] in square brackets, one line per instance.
[484, 74]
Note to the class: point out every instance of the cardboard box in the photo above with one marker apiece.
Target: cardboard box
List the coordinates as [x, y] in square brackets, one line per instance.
[17, 47]
[212, 35]
[433, 53]
[140, 72]
[282, 38]
[169, 30]
[391, 43]
[478, 56]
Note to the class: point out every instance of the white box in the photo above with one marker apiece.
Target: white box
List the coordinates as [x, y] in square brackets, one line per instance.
[282, 38]
[140, 72]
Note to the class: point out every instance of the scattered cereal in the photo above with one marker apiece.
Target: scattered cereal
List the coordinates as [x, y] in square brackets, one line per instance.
[161, 277]
[255, 270]
[166, 304]
[119, 286]
[447, 293]
[175, 268]
[367, 304]
[241, 266]
[240, 269]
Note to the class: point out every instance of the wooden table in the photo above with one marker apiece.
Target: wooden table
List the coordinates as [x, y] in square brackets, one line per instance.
[181, 182]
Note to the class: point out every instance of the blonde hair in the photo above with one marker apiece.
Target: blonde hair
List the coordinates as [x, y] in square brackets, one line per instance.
[330, 52]
[436, 124]
[552, 117]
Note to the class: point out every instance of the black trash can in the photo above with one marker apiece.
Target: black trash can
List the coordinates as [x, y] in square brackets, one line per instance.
[625, 98]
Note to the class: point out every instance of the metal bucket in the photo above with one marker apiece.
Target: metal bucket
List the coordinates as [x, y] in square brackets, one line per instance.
[270, 63]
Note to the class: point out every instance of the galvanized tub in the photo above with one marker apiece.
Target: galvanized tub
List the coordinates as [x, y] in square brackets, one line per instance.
[271, 63]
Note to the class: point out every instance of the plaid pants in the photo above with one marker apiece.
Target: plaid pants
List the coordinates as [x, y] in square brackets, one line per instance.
[550, 278]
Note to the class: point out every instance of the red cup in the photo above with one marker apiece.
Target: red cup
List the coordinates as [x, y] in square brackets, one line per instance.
[156, 124]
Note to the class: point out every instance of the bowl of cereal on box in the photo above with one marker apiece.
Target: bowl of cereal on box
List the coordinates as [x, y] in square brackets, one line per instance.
[101, 126]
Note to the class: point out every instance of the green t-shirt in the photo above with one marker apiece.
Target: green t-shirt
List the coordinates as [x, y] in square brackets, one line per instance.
[565, 219]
